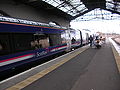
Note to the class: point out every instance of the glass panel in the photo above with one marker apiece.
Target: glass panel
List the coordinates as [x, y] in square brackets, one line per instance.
[63, 36]
[4, 44]
[75, 36]
[78, 38]
[72, 7]
[22, 41]
[115, 6]
[40, 41]
[55, 39]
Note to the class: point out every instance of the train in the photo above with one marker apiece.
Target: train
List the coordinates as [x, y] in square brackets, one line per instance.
[24, 41]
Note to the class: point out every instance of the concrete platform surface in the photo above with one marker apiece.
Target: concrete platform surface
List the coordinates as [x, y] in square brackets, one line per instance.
[94, 69]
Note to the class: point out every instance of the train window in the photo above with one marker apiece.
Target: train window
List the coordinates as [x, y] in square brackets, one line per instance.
[44, 42]
[55, 39]
[85, 37]
[17, 42]
[40, 41]
[78, 36]
[4, 44]
[22, 41]
[30, 41]
[73, 36]
[63, 36]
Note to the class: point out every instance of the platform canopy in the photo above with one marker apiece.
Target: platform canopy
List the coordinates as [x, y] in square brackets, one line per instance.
[72, 9]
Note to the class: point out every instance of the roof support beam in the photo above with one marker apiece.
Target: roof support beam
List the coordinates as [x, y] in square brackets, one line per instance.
[112, 11]
[83, 13]
[94, 3]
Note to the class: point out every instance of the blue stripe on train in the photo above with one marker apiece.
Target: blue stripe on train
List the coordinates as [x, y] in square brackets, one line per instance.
[26, 29]
[16, 64]
[38, 53]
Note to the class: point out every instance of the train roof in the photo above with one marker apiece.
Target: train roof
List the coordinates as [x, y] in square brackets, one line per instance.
[27, 22]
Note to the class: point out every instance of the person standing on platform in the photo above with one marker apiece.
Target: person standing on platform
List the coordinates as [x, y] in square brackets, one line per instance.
[91, 40]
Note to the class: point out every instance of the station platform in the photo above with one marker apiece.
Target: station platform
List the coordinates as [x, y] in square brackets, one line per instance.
[85, 68]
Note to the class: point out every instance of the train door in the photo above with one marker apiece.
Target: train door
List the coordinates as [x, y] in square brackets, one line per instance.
[75, 38]
[85, 36]
[81, 38]
[68, 38]
[78, 37]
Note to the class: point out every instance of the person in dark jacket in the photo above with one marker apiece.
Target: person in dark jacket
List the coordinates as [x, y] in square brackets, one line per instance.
[91, 40]
[73, 40]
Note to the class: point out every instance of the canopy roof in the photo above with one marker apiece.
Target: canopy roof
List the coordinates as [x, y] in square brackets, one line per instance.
[71, 9]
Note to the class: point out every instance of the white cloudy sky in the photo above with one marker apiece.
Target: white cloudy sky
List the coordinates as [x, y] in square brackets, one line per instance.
[112, 26]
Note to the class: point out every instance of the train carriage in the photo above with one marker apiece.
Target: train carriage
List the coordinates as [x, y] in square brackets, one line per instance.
[23, 41]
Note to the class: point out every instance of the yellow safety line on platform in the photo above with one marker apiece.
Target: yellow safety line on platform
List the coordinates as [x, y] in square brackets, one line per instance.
[37, 76]
[117, 57]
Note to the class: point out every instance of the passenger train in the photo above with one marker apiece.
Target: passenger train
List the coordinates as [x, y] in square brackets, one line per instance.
[23, 41]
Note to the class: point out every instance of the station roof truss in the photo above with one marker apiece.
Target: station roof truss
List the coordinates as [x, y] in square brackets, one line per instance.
[71, 9]
[98, 15]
